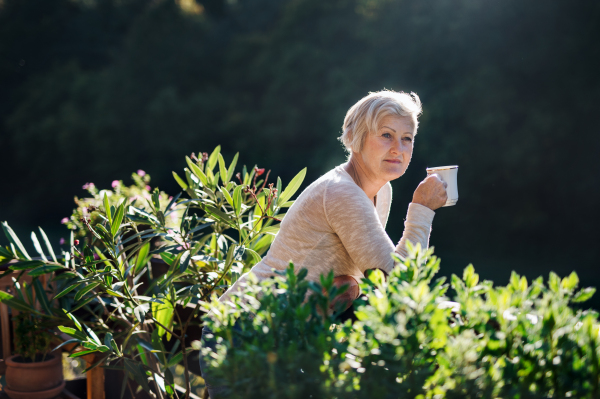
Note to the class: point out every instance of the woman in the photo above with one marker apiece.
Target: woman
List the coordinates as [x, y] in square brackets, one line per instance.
[338, 222]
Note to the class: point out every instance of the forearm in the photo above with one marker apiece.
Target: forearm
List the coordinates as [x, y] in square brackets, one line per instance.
[417, 228]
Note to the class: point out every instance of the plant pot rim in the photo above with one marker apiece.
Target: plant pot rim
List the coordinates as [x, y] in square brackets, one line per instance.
[53, 358]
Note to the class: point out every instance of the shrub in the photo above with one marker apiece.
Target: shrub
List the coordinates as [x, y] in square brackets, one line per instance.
[518, 341]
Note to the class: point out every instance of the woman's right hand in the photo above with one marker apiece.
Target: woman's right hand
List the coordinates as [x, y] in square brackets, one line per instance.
[431, 192]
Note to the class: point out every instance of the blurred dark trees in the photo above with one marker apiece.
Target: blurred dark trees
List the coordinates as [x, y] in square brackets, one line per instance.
[91, 90]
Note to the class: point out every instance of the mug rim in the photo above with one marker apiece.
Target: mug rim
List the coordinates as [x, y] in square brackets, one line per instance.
[442, 167]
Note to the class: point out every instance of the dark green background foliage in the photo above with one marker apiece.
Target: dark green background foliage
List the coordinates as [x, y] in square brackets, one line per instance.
[93, 90]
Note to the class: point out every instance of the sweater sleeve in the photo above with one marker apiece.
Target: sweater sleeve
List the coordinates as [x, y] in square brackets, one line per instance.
[354, 219]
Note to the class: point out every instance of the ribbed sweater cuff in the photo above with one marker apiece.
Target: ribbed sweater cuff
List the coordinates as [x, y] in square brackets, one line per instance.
[419, 214]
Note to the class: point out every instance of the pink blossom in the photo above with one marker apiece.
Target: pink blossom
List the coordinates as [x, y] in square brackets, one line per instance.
[64, 221]
[141, 173]
[62, 241]
[88, 186]
[96, 257]
[148, 188]
[115, 183]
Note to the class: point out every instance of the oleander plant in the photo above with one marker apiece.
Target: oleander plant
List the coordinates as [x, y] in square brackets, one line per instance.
[139, 265]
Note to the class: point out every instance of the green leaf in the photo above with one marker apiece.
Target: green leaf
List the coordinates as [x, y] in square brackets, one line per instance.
[116, 223]
[74, 320]
[85, 290]
[291, 188]
[114, 293]
[45, 269]
[212, 159]
[232, 167]
[223, 170]
[64, 292]
[253, 255]
[180, 181]
[73, 332]
[107, 209]
[554, 282]
[82, 353]
[237, 200]
[15, 303]
[227, 196]
[41, 296]
[37, 246]
[584, 294]
[13, 239]
[571, 282]
[175, 360]
[197, 171]
[48, 246]
[28, 264]
[142, 258]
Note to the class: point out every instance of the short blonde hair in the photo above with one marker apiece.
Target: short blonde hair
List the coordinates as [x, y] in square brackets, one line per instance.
[364, 116]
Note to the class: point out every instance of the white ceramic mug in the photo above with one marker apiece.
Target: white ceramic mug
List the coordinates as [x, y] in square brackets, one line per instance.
[448, 174]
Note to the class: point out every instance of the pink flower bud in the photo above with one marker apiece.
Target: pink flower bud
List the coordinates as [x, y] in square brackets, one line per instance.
[96, 257]
[141, 173]
[88, 186]
[64, 221]
[259, 171]
[115, 183]
[148, 188]
[62, 241]
[76, 242]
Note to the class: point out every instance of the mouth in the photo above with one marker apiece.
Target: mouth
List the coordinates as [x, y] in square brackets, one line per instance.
[395, 161]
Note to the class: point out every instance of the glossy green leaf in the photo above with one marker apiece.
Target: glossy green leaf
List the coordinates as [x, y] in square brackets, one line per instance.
[232, 166]
[13, 239]
[222, 170]
[118, 219]
[107, 209]
[83, 291]
[25, 265]
[197, 171]
[48, 246]
[142, 258]
[38, 271]
[180, 181]
[291, 188]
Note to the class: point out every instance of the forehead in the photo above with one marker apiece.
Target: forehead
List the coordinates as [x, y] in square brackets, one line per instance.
[401, 124]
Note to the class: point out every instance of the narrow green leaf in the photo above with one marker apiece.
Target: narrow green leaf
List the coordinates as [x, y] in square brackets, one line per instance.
[180, 181]
[237, 200]
[82, 353]
[15, 303]
[175, 360]
[41, 296]
[85, 290]
[116, 223]
[107, 208]
[38, 271]
[37, 246]
[73, 332]
[227, 196]
[197, 171]
[212, 159]
[142, 258]
[223, 170]
[232, 167]
[291, 188]
[13, 239]
[48, 246]
[74, 320]
[28, 264]
[66, 291]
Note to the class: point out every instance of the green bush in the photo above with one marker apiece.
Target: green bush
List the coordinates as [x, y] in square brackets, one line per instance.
[518, 341]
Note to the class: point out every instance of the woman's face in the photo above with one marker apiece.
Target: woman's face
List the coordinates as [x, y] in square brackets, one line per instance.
[387, 153]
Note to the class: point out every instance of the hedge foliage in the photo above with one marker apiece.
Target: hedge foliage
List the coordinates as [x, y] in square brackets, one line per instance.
[522, 340]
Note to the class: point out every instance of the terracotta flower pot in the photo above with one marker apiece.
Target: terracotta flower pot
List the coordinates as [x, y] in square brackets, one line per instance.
[37, 380]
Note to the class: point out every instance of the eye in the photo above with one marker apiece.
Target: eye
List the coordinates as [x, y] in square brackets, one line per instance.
[387, 135]
[408, 139]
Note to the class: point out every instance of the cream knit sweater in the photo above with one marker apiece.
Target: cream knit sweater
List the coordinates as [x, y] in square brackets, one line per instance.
[333, 225]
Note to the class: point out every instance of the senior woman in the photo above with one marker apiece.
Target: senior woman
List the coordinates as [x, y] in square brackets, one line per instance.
[338, 222]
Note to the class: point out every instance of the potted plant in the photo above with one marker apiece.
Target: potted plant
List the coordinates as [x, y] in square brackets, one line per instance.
[33, 372]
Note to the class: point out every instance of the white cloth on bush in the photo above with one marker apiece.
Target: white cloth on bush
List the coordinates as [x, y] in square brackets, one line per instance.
[333, 225]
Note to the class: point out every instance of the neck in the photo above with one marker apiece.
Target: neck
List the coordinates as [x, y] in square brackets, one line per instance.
[363, 177]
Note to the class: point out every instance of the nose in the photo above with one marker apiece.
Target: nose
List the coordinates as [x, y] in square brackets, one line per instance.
[396, 147]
